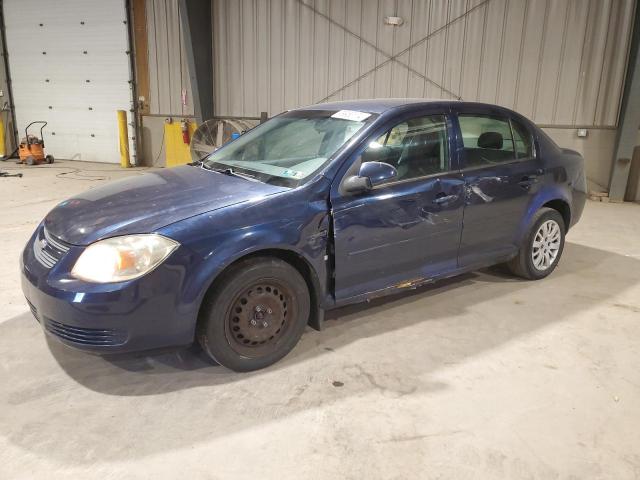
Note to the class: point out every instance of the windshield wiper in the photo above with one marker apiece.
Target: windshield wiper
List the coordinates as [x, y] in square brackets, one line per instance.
[200, 163]
[231, 172]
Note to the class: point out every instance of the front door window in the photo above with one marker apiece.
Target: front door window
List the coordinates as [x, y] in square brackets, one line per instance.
[416, 147]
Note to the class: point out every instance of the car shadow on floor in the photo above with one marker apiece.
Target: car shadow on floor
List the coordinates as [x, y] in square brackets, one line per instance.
[49, 391]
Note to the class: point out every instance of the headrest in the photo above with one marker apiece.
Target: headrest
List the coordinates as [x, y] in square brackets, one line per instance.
[490, 140]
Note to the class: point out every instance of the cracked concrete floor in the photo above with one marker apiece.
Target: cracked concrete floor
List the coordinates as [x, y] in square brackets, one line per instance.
[483, 376]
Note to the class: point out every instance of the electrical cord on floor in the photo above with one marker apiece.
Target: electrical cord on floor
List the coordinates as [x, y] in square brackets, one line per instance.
[4, 159]
[76, 173]
[161, 148]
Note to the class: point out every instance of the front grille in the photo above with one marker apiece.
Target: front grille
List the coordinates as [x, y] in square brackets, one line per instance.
[86, 336]
[47, 249]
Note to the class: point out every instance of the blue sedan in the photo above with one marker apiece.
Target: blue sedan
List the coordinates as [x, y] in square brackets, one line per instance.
[316, 208]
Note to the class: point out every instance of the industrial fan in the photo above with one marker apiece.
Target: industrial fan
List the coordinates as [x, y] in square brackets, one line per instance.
[214, 133]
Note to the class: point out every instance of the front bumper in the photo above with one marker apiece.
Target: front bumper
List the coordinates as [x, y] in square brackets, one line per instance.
[151, 312]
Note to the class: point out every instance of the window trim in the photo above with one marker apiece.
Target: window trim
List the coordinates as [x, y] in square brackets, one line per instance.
[407, 180]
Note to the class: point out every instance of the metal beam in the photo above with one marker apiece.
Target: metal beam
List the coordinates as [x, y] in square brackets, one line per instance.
[195, 16]
[629, 120]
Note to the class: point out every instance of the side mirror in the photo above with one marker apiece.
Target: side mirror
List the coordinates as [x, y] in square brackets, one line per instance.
[371, 174]
[378, 172]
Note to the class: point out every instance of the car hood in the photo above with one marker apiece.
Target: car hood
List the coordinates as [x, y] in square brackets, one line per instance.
[145, 203]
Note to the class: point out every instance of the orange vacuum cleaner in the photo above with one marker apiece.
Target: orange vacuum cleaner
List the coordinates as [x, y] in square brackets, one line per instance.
[31, 149]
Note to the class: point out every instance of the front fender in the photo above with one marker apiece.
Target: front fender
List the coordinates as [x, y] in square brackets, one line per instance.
[298, 226]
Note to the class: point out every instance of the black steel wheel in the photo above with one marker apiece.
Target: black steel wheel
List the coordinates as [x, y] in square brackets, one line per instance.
[255, 314]
[258, 318]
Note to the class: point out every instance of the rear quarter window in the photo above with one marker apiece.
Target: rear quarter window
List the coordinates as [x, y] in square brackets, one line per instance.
[523, 140]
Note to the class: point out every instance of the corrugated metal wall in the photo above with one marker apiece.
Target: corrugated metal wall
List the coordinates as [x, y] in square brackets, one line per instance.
[559, 62]
[168, 75]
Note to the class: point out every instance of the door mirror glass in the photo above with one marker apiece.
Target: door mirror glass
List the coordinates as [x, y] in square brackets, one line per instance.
[356, 184]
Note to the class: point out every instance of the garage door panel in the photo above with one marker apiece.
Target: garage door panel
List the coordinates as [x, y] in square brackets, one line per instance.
[82, 99]
[65, 67]
[80, 121]
[90, 11]
[75, 146]
[80, 82]
[91, 39]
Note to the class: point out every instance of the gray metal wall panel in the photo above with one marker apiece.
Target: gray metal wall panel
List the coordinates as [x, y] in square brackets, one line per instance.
[168, 75]
[569, 76]
[262, 80]
[418, 54]
[592, 61]
[291, 58]
[335, 67]
[369, 29]
[560, 62]
[612, 78]
[529, 56]
[474, 37]
[494, 22]
[401, 41]
[550, 58]
[436, 48]
[352, 49]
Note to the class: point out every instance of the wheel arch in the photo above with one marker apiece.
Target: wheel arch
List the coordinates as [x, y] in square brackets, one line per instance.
[563, 208]
[293, 258]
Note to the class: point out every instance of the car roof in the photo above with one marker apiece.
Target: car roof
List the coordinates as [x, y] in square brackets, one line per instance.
[382, 105]
[379, 105]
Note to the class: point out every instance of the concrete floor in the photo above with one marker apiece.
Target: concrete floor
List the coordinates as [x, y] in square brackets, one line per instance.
[484, 376]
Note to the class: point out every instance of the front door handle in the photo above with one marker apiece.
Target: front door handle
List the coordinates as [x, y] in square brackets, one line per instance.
[528, 180]
[441, 199]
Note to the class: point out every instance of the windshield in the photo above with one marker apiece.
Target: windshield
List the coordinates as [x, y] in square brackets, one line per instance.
[289, 148]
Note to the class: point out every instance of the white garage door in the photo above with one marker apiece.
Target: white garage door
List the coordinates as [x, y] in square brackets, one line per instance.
[69, 66]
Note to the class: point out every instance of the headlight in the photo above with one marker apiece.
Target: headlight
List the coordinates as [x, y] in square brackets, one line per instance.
[122, 258]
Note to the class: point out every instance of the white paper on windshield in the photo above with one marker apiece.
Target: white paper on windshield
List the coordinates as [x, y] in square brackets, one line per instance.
[293, 173]
[351, 115]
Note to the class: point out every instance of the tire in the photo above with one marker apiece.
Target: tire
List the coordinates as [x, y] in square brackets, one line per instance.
[531, 262]
[254, 315]
[30, 160]
[49, 159]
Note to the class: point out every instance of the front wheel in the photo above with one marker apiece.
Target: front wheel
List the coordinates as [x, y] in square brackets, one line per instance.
[254, 315]
[541, 247]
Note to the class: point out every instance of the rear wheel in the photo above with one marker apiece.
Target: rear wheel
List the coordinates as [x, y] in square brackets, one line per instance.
[49, 158]
[30, 160]
[541, 247]
[255, 314]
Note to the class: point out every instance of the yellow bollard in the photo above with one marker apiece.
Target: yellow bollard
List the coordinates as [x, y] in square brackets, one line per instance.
[124, 139]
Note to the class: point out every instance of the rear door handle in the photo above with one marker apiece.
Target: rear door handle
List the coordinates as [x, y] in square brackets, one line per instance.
[442, 199]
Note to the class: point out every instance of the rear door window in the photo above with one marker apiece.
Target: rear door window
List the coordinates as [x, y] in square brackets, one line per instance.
[487, 140]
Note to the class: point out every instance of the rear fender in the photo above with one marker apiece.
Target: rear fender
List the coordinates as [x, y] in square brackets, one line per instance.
[546, 194]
